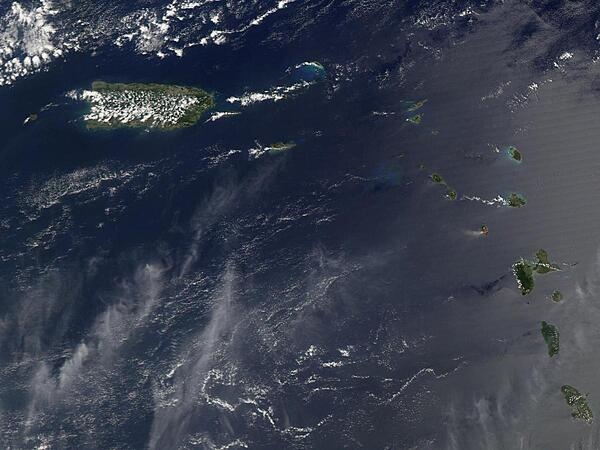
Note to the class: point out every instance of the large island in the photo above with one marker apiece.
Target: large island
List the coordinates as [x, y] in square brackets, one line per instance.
[162, 106]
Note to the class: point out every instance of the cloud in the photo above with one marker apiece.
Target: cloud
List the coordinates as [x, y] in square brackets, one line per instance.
[171, 423]
[136, 299]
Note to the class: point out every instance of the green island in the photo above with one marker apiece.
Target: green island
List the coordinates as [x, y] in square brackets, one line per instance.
[578, 403]
[524, 275]
[415, 120]
[524, 270]
[543, 264]
[412, 106]
[557, 296]
[416, 105]
[279, 147]
[451, 194]
[162, 106]
[438, 179]
[515, 154]
[551, 336]
[516, 200]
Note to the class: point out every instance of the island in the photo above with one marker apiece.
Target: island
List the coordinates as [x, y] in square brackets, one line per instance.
[578, 403]
[417, 105]
[557, 296]
[279, 147]
[524, 270]
[437, 178]
[451, 194]
[551, 336]
[309, 72]
[412, 106]
[415, 120]
[515, 154]
[161, 106]
[516, 200]
[524, 275]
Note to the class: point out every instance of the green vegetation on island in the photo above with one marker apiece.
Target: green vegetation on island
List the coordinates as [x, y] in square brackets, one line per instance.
[415, 120]
[543, 264]
[515, 154]
[524, 274]
[167, 107]
[524, 270]
[578, 403]
[412, 106]
[417, 105]
[516, 200]
[279, 147]
[451, 194]
[557, 296]
[437, 178]
[551, 336]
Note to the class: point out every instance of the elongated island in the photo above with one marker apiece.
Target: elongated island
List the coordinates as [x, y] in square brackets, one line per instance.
[578, 403]
[161, 106]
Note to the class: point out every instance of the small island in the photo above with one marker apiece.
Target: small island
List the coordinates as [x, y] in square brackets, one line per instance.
[451, 194]
[515, 154]
[551, 336]
[412, 106]
[524, 270]
[516, 200]
[557, 296]
[578, 403]
[161, 106]
[437, 178]
[417, 105]
[279, 147]
[416, 119]
[309, 72]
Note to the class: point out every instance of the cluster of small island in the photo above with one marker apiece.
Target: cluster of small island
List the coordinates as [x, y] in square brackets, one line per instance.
[438, 179]
[525, 272]
[168, 107]
[410, 108]
[512, 199]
